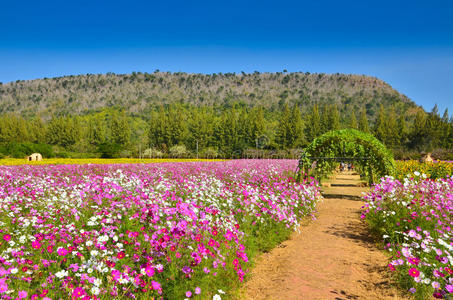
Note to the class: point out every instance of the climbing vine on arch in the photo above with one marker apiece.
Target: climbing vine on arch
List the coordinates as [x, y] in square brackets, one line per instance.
[349, 143]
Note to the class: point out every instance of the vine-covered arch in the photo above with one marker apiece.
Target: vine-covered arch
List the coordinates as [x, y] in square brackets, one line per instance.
[371, 157]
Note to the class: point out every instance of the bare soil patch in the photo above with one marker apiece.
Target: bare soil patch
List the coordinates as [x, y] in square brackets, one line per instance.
[334, 257]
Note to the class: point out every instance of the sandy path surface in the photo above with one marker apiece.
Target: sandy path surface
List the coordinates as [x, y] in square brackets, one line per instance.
[333, 257]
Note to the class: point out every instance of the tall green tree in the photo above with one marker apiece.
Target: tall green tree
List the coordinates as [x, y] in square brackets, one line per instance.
[393, 137]
[284, 128]
[380, 128]
[325, 120]
[314, 126]
[353, 120]
[363, 121]
[418, 132]
[334, 117]
[37, 130]
[296, 134]
[120, 131]
[402, 130]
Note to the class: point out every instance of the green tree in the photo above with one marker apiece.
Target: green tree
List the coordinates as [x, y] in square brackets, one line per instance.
[37, 130]
[314, 121]
[392, 134]
[363, 122]
[283, 130]
[418, 132]
[380, 128]
[120, 131]
[352, 120]
[402, 130]
[296, 134]
[334, 118]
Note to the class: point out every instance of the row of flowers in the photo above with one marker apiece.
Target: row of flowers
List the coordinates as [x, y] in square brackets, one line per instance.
[171, 230]
[433, 170]
[414, 217]
[83, 161]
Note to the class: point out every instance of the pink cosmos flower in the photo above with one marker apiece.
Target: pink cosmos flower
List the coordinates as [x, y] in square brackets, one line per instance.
[188, 294]
[414, 272]
[7, 237]
[36, 244]
[156, 285]
[149, 271]
[197, 290]
[62, 251]
[74, 267]
[78, 292]
[23, 294]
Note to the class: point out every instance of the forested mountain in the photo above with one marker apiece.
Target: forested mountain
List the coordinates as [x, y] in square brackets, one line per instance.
[140, 92]
[218, 115]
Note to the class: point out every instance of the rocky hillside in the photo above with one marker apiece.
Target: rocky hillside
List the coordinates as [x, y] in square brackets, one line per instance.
[140, 92]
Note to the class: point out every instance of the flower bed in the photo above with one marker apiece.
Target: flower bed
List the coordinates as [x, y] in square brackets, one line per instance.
[433, 170]
[415, 219]
[172, 230]
[83, 161]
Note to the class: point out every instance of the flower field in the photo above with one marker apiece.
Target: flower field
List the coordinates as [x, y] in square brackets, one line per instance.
[83, 161]
[433, 170]
[143, 231]
[414, 216]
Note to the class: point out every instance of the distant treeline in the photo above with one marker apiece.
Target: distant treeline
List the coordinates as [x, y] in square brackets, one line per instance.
[185, 130]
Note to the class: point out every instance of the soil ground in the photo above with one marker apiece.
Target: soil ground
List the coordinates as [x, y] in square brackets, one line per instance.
[334, 257]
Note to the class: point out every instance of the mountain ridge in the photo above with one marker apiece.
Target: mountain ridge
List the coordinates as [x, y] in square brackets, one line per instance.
[140, 92]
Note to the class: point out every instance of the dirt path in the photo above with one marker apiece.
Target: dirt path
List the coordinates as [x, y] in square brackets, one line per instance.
[333, 257]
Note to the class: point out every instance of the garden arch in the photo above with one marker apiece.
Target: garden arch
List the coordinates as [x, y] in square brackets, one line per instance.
[371, 157]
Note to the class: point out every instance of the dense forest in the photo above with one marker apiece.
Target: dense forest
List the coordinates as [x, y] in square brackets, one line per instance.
[236, 130]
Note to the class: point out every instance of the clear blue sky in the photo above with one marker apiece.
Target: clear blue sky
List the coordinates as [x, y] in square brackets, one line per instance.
[408, 44]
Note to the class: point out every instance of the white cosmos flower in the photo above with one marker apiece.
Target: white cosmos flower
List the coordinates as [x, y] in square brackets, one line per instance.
[61, 274]
[216, 297]
[97, 282]
[95, 290]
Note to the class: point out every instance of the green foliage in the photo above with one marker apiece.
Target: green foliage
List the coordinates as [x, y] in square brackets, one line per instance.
[352, 121]
[363, 122]
[231, 127]
[290, 132]
[351, 143]
[21, 150]
[109, 150]
[179, 151]
[120, 130]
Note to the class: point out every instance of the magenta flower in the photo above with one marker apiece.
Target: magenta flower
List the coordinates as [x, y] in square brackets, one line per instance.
[62, 251]
[78, 292]
[36, 244]
[149, 271]
[23, 294]
[414, 272]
